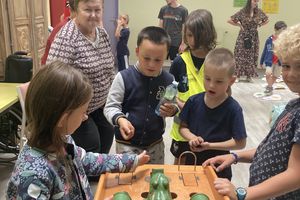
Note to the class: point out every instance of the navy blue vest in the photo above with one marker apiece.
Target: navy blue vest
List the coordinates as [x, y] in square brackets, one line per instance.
[142, 94]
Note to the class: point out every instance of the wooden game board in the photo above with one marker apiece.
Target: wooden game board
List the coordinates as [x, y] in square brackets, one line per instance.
[185, 180]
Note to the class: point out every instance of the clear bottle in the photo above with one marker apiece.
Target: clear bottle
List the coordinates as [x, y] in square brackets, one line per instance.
[169, 96]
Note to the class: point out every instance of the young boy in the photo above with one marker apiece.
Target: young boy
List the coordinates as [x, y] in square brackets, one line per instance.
[134, 95]
[274, 172]
[213, 121]
[122, 34]
[273, 65]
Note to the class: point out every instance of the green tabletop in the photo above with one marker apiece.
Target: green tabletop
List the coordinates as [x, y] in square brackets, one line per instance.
[8, 95]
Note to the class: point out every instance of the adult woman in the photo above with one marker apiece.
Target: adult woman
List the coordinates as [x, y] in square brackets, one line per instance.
[85, 46]
[246, 49]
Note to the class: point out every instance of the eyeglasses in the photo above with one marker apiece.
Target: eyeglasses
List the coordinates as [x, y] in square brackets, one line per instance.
[67, 4]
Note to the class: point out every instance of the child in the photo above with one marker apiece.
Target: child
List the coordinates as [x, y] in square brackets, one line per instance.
[171, 18]
[273, 65]
[213, 121]
[136, 92]
[122, 34]
[200, 36]
[50, 165]
[274, 172]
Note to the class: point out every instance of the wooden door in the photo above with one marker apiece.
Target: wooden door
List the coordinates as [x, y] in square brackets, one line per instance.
[28, 19]
[40, 31]
[24, 25]
[4, 37]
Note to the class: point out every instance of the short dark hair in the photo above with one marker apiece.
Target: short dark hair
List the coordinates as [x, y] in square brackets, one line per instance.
[280, 25]
[155, 34]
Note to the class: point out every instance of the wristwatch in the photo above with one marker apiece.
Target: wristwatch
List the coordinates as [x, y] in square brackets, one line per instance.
[241, 193]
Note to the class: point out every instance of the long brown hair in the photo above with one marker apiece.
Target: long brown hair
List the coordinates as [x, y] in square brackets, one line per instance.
[56, 89]
[247, 8]
[200, 23]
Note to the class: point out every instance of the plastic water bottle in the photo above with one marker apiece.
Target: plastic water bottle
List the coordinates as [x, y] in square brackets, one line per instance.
[169, 96]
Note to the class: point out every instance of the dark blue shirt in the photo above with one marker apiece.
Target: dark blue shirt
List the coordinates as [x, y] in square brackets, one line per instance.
[219, 124]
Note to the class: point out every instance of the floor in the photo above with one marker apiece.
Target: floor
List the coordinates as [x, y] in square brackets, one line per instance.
[256, 114]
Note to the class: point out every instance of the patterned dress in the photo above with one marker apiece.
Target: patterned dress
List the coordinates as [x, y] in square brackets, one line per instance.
[41, 175]
[247, 59]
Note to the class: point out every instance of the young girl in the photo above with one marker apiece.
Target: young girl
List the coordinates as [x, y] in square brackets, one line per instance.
[274, 170]
[122, 34]
[51, 166]
[200, 36]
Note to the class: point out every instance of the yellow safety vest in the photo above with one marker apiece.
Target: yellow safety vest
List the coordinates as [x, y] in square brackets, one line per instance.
[196, 85]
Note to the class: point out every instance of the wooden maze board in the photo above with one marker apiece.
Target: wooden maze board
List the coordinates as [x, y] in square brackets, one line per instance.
[185, 181]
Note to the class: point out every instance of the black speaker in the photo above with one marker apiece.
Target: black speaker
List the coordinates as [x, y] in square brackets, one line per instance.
[18, 68]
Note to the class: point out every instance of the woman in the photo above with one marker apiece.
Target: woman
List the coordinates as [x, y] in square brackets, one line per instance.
[85, 46]
[246, 49]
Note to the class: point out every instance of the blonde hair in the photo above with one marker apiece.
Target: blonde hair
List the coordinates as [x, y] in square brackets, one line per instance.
[287, 45]
[126, 17]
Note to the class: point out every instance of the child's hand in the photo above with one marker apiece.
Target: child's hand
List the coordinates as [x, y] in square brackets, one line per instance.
[168, 110]
[225, 187]
[223, 161]
[143, 158]
[126, 128]
[196, 143]
[119, 22]
[202, 147]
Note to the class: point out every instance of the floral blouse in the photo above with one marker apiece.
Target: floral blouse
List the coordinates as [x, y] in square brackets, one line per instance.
[41, 175]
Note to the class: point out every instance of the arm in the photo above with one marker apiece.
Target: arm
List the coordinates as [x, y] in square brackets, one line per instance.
[227, 160]
[227, 145]
[182, 46]
[263, 23]
[118, 29]
[180, 103]
[113, 106]
[231, 144]
[232, 22]
[277, 185]
[56, 51]
[95, 164]
[185, 132]
[161, 23]
[194, 141]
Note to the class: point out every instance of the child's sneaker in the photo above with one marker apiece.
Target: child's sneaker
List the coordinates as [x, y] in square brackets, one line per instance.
[268, 91]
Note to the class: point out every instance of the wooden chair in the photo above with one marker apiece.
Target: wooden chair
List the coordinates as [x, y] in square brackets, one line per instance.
[21, 90]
